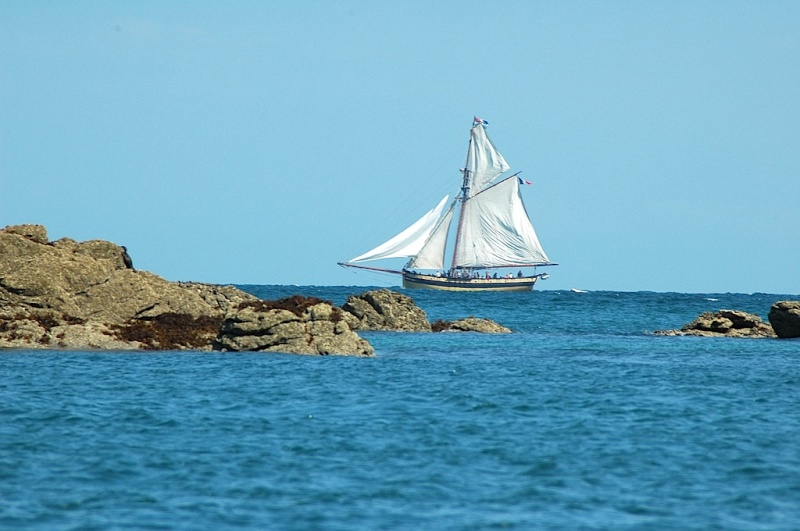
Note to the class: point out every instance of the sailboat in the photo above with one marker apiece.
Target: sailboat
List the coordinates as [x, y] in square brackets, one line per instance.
[493, 232]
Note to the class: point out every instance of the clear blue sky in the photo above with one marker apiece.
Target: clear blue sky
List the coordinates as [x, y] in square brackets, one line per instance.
[262, 142]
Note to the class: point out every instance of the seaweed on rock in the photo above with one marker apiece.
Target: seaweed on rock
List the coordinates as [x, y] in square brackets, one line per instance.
[170, 331]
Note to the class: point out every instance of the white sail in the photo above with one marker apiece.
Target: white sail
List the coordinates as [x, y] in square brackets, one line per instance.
[484, 162]
[431, 256]
[409, 242]
[496, 231]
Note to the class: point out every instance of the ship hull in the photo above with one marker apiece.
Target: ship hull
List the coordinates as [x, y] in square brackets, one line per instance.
[419, 281]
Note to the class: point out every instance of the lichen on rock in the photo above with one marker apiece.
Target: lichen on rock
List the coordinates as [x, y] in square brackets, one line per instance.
[80, 295]
[470, 324]
[386, 310]
[297, 325]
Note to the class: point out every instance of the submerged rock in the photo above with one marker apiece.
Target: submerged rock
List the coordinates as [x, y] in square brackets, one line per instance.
[724, 323]
[785, 318]
[471, 324]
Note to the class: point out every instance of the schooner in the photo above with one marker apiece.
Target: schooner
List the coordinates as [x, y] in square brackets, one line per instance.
[493, 232]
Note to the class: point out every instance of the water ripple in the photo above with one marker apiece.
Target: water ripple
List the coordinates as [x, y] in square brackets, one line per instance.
[549, 428]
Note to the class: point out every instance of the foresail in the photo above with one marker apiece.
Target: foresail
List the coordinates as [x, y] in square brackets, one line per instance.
[409, 242]
[431, 256]
[496, 230]
[484, 162]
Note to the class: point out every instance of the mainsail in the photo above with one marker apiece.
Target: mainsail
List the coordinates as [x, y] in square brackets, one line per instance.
[494, 229]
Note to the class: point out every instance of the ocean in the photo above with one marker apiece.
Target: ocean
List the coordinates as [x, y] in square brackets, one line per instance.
[580, 419]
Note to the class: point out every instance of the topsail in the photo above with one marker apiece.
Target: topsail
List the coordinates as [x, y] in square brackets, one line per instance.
[496, 231]
[484, 162]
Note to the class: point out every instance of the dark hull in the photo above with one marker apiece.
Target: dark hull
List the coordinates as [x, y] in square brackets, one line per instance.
[418, 281]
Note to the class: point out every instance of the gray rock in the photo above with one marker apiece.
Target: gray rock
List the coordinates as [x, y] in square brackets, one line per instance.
[80, 295]
[223, 298]
[724, 323]
[48, 329]
[785, 318]
[251, 321]
[35, 233]
[69, 294]
[473, 324]
[311, 327]
[386, 310]
[89, 281]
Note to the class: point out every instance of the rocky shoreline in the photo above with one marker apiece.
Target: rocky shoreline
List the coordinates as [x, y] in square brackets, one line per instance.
[74, 295]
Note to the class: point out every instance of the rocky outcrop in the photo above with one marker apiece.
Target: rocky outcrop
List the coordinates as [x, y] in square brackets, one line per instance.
[724, 323]
[88, 281]
[35, 233]
[385, 310]
[80, 295]
[297, 325]
[784, 316]
[470, 324]
[388, 310]
[42, 328]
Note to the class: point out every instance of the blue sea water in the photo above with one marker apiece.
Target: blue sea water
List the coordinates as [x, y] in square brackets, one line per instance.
[581, 419]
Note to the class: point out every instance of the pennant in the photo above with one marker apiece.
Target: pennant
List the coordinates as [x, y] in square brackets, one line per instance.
[523, 181]
[477, 120]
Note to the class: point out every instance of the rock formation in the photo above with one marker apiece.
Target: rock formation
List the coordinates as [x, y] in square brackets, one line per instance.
[80, 295]
[785, 318]
[89, 281]
[470, 324]
[386, 310]
[724, 323]
[297, 325]
[83, 295]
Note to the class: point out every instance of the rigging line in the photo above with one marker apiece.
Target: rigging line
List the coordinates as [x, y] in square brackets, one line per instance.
[380, 279]
[501, 181]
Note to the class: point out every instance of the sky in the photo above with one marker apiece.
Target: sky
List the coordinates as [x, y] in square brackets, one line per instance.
[263, 142]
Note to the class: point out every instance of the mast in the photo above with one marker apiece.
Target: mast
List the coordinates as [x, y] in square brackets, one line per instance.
[464, 196]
